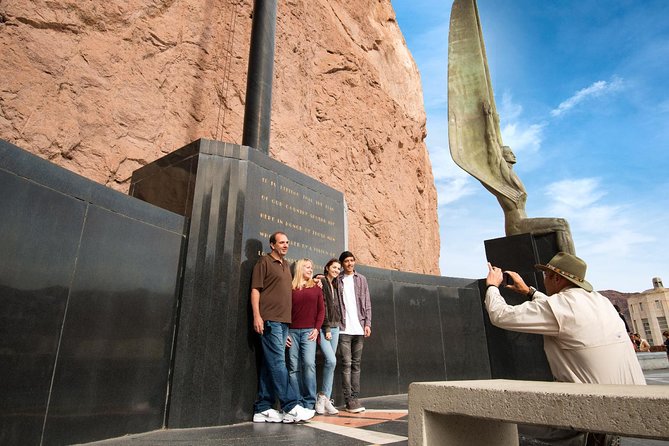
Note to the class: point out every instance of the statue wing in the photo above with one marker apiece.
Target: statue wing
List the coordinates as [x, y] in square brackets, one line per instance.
[474, 134]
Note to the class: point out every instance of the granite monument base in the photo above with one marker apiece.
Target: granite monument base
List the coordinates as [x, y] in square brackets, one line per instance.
[516, 355]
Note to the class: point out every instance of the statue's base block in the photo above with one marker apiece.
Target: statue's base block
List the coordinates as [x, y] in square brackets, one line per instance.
[516, 355]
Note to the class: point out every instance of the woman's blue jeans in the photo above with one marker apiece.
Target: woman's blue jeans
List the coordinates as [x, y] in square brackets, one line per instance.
[302, 365]
[329, 349]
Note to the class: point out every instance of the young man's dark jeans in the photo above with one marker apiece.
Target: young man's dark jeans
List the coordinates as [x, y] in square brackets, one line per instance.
[274, 381]
[350, 348]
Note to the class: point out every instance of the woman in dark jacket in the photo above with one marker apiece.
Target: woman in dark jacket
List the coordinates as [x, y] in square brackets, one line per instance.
[329, 337]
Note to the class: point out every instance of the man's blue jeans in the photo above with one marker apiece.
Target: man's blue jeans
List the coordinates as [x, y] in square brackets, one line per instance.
[302, 365]
[329, 349]
[274, 382]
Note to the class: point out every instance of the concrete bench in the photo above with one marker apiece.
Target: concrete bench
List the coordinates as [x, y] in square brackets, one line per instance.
[487, 412]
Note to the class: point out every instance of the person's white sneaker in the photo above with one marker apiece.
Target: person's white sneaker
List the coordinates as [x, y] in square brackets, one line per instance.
[329, 407]
[268, 416]
[320, 403]
[297, 414]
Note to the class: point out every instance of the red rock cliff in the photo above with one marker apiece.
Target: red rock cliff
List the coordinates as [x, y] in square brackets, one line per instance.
[102, 88]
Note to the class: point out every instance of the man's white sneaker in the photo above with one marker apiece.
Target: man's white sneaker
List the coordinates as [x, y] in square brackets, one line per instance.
[329, 407]
[320, 403]
[297, 414]
[268, 416]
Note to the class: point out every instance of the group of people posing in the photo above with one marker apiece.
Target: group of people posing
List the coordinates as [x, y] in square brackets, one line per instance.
[297, 312]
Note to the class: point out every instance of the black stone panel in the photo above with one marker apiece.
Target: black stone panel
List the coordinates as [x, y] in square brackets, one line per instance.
[463, 334]
[42, 172]
[112, 372]
[379, 369]
[72, 249]
[476, 364]
[448, 307]
[168, 182]
[213, 365]
[546, 246]
[39, 235]
[202, 299]
[515, 355]
[277, 197]
[419, 341]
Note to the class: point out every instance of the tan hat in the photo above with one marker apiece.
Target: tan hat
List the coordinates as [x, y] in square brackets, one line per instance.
[570, 267]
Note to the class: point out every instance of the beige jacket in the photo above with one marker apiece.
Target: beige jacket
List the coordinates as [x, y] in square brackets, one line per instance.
[584, 338]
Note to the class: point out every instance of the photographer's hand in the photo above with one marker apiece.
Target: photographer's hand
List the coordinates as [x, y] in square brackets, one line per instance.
[518, 284]
[494, 276]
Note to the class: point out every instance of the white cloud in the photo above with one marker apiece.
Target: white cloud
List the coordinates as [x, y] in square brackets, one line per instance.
[452, 182]
[453, 189]
[522, 136]
[575, 194]
[508, 109]
[597, 89]
[612, 232]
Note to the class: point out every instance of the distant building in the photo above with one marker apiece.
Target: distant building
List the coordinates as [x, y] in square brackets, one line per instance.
[649, 312]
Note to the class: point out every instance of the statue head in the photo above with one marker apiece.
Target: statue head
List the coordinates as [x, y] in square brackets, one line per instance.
[508, 155]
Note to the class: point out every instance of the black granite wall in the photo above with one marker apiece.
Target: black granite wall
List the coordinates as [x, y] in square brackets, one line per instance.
[424, 328]
[88, 284]
[104, 297]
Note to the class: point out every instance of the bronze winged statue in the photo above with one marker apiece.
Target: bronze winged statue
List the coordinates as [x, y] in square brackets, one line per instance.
[474, 134]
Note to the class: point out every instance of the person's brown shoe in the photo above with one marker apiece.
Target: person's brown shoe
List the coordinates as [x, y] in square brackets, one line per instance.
[354, 406]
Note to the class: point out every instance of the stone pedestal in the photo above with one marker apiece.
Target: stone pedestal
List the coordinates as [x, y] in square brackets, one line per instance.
[516, 355]
[234, 197]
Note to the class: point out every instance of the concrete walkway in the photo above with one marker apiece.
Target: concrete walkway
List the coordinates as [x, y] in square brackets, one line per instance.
[383, 423]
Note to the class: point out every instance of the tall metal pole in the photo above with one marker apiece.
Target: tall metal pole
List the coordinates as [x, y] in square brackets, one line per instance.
[258, 109]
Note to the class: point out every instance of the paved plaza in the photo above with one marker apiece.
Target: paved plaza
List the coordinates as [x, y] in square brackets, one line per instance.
[383, 423]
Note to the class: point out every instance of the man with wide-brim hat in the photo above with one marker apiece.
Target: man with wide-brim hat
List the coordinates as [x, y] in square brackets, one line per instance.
[570, 267]
[584, 338]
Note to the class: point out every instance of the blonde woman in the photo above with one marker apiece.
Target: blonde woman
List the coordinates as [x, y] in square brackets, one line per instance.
[308, 313]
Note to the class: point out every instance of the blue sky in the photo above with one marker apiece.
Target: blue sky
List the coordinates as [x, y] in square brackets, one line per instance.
[582, 89]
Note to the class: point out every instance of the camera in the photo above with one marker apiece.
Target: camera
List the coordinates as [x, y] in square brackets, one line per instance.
[507, 280]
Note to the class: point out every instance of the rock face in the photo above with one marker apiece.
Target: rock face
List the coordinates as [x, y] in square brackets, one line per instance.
[102, 88]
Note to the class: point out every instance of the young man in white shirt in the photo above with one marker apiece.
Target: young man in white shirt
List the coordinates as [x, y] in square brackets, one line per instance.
[356, 325]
